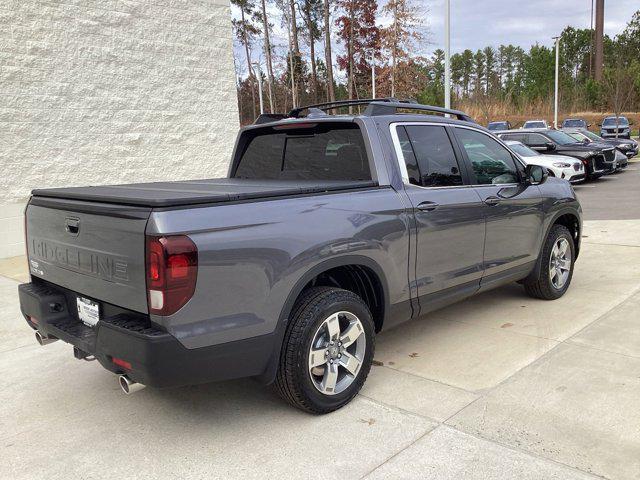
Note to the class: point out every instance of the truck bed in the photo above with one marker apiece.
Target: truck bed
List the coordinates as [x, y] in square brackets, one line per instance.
[193, 192]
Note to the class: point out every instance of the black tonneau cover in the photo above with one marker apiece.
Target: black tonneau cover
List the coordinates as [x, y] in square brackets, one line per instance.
[192, 192]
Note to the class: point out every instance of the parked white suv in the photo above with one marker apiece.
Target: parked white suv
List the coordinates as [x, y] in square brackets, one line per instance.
[535, 124]
[561, 166]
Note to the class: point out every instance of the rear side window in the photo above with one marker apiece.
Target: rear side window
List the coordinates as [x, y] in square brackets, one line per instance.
[537, 140]
[323, 151]
[430, 148]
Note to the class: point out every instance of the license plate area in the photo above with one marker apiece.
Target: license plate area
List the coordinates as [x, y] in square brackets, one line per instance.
[88, 311]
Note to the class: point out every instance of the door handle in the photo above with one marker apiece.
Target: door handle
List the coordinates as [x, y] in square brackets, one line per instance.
[492, 201]
[427, 206]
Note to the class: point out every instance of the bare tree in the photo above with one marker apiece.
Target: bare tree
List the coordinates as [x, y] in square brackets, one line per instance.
[268, 57]
[399, 39]
[246, 32]
[331, 95]
[311, 13]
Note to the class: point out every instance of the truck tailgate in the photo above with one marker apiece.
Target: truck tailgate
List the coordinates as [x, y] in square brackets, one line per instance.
[94, 249]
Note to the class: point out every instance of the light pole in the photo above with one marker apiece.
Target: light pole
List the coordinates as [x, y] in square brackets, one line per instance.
[373, 74]
[447, 54]
[259, 75]
[555, 95]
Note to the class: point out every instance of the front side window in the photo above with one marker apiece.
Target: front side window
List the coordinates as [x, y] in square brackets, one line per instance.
[492, 163]
[591, 136]
[429, 148]
[537, 140]
[578, 136]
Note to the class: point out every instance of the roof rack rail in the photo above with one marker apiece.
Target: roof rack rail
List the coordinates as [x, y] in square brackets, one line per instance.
[391, 107]
[295, 113]
[382, 106]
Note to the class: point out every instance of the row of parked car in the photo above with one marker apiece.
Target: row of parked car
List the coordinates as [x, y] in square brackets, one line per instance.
[611, 127]
[573, 152]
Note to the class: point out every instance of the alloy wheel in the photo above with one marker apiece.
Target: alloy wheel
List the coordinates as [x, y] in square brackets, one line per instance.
[560, 263]
[337, 352]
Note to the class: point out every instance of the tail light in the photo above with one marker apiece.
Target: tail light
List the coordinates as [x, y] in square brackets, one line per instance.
[172, 269]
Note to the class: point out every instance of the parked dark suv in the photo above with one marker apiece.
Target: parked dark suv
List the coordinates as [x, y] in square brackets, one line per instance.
[598, 160]
[615, 127]
[326, 230]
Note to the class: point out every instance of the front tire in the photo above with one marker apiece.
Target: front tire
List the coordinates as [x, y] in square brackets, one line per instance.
[556, 269]
[327, 352]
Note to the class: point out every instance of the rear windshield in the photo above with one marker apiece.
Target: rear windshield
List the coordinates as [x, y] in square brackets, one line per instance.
[574, 123]
[322, 151]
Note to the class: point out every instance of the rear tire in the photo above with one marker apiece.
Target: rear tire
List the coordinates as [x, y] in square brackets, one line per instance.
[556, 269]
[318, 376]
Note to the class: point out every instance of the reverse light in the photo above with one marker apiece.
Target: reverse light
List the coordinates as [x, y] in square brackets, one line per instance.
[172, 270]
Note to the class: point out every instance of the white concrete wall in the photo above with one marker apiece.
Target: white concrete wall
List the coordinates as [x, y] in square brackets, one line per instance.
[109, 91]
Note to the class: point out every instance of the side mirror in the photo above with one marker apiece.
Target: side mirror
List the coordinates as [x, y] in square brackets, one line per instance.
[550, 146]
[535, 174]
[599, 124]
[589, 124]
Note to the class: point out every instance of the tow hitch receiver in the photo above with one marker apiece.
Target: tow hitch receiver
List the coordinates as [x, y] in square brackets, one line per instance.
[82, 355]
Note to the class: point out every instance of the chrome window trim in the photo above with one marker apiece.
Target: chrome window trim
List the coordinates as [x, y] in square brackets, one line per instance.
[403, 166]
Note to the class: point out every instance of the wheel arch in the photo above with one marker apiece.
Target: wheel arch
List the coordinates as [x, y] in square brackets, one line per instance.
[347, 261]
[570, 218]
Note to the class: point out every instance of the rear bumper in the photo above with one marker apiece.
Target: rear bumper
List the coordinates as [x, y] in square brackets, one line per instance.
[157, 358]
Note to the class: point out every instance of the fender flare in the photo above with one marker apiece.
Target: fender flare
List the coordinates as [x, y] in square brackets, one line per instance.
[563, 211]
[269, 374]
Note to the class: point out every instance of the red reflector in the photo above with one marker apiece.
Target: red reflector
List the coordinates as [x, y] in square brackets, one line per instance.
[121, 363]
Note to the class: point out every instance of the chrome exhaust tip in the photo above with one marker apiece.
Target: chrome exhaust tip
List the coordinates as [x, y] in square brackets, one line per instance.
[128, 386]
[42, 340]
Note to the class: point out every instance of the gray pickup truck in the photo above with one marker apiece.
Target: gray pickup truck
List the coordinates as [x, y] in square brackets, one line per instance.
[326, 230]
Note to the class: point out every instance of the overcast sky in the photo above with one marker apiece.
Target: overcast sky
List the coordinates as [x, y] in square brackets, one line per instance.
[477, 23]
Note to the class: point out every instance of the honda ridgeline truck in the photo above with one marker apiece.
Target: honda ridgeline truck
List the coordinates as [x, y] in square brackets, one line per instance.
[327, 230]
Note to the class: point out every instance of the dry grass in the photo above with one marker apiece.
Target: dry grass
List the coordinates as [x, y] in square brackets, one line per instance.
[541, 110]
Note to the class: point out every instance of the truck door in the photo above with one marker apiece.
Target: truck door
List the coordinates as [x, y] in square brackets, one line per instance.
[512, 208]
[449, 225]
